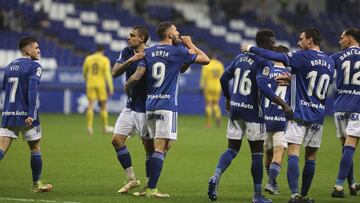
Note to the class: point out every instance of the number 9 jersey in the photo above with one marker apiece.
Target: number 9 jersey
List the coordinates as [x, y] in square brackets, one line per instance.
[163, 64]
[18, 104]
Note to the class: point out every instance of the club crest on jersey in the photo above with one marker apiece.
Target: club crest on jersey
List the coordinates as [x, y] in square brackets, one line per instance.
[266, 71]
[38, 71]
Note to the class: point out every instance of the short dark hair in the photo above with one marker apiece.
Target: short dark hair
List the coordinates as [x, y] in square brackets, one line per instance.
[314, 33]
[263, 38]
[281, 49]
[26, 41]
[143, 32]
[162, 28]
[100, 47]
[355, 33]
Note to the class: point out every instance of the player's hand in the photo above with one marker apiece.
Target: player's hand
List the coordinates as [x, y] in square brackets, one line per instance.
[186, 40]
[191, 51]
[288, 112]
[29, 121]
[284, 79]
[137, 56]
[227, 105]
[246, 47]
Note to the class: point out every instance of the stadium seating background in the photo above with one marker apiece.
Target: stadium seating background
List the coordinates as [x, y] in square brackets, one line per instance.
[68, 31]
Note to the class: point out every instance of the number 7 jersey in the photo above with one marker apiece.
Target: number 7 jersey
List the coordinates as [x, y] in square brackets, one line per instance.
[16, 86]
[163, 64]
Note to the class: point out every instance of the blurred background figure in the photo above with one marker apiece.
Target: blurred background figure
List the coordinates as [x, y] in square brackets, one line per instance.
[96, 70]
[211, 88]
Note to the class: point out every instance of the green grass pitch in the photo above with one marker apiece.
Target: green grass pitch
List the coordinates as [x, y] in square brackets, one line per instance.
[84, 168]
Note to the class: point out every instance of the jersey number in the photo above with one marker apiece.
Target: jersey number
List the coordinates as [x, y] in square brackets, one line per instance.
[15, 83]
[244, 85]
[95, 69]
[322, 85]
[158, 73]
[280, 91]
[355, 78]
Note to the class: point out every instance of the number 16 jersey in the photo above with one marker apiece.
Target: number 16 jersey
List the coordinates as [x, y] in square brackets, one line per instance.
[163, 64]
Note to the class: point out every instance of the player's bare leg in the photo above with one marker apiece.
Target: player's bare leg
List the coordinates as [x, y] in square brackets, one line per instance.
[90, 116]
[208, 114]
[105, 118]
[217, 112]
[5, 143]
[36, 167]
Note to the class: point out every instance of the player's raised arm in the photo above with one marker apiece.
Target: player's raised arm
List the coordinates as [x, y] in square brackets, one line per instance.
[108, 77]
[201, 57]
[140, 71]
[120, 68]
[265, 53]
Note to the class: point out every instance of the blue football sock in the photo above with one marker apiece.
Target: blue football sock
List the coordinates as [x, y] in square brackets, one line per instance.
[257, 172]
[293, 173]
[307, 176]
[274, 170]
[2, 154]
[350, 177]
[156, 163]
[345, 164]
[124, 157]
[147, 165]
[36, 165]
[225, 161]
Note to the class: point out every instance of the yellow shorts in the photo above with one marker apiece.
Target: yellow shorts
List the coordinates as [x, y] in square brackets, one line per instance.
[212, 96]
[96, 93]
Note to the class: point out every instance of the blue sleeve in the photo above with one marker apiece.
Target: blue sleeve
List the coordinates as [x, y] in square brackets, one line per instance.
[33, 89]
[187, 58]
[142, 62]
[34, 81]
[262, 79]
[4, 81]
[272, 55]
[123, 56]
[225, 78]
[295, 59]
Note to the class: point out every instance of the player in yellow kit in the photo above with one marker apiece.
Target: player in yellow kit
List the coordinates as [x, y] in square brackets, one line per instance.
[211, 88]
[96, 70]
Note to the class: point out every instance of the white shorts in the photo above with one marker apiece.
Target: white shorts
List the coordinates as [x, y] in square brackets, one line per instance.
[130, 122]
[28, 133]
[162, 124]
[275, 139]
[239, 128]
[308, 135]
[347, 124]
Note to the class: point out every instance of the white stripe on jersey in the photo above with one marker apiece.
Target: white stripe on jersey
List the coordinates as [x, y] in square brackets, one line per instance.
[293, 92]
[176, 90]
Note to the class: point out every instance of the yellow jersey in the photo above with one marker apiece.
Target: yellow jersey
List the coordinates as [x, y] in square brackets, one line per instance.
[210, 76]
[96, 71]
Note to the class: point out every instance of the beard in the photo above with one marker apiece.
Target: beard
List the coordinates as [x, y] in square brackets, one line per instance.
[175, 40]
